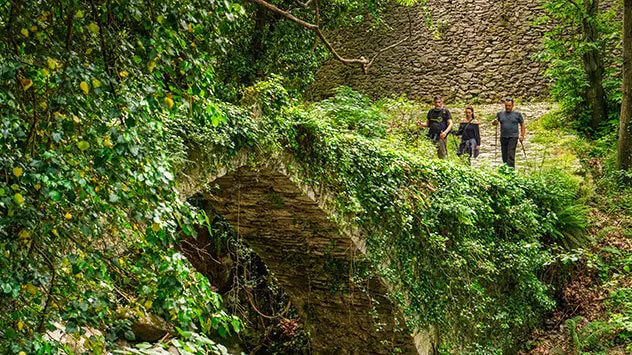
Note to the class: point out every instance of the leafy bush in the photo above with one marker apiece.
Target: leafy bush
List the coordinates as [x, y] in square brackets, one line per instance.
[350, 110]
[463, 248]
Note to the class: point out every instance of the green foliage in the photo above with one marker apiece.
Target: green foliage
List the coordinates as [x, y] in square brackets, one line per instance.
[609, 263]
[564, 46]
[463, 248]
[102, 102]
[348, 110]
[87, 92]
[263, 44]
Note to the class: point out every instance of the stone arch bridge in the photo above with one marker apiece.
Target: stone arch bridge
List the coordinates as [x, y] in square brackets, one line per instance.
[291, 227]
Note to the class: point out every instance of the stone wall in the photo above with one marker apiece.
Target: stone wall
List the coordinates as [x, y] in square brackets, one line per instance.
[476, 51]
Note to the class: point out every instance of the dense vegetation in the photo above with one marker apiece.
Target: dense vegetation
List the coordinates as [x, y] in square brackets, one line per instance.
[101, 104]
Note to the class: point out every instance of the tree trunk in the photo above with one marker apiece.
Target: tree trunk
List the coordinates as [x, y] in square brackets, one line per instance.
[258, 34]
[624, 159]
[595, 94]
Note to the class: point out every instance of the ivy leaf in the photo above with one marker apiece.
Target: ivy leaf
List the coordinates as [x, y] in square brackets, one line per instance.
[19, 199]
[83, 145]
[96, 83]
[94, 28]
[54, 195]
[84, 87]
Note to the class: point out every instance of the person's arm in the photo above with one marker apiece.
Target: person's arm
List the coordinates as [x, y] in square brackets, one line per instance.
[459, 131]
[477, 135]
[495, 121]
[424, 124]
[447, 130]
[523, 131]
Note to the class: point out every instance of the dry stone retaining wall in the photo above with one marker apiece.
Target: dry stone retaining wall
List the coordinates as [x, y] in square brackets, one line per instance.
[477, 51]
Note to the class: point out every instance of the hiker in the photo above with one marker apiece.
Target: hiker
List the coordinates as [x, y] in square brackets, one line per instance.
[439, 122]
[509, 121]
[470, 135]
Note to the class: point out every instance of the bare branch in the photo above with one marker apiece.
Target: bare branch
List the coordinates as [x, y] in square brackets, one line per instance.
[384, 50]
[303, 4]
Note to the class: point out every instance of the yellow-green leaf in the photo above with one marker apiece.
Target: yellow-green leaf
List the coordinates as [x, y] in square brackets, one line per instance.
[18, 198]
[155, 227]
[17, 171]
[52, 63]
[84, 87]
[31, 288]
[94, 28]
[83, 145]
[169, 102]
[24, 234]
[96, 83]
[26, 83]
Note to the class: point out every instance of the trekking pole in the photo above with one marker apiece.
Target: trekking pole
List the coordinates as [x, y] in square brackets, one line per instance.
[496, 145]
[524, 152]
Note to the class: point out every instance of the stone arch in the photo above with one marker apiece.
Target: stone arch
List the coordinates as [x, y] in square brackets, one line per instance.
[290, 227]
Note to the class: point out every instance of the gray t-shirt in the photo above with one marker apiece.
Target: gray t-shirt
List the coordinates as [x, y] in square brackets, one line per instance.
[509, 123]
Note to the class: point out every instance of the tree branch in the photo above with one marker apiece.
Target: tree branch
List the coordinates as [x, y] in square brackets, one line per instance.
[303, 4]
[364, 63]
[69, 28]
[50, 288]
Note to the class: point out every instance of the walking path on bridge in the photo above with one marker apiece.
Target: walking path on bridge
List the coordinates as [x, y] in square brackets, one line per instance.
[538, 152]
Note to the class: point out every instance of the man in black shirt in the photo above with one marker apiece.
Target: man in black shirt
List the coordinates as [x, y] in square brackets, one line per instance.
[439, 122]
[509, 121]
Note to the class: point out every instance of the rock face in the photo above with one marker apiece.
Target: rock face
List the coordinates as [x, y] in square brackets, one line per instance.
[476, 51]
[290, 228]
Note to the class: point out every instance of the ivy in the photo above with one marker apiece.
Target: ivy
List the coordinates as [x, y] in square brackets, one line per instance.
[463, 248]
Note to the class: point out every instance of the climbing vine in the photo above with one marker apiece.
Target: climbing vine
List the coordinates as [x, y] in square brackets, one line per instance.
[464, 248]
[105, 106]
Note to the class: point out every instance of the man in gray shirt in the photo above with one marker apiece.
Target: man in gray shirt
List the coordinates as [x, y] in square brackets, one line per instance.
[509, 134]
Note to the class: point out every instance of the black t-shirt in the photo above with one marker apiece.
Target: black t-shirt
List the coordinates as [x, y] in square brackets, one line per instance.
[438, 120]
